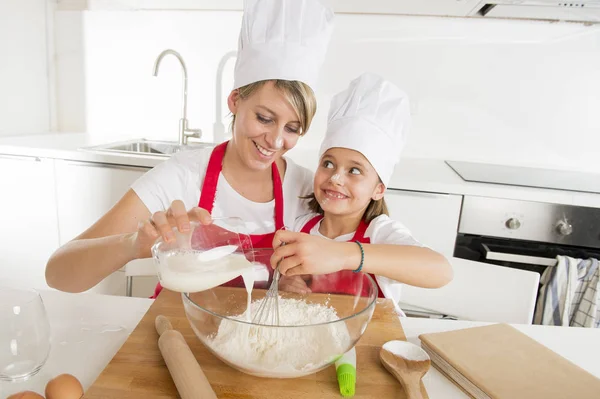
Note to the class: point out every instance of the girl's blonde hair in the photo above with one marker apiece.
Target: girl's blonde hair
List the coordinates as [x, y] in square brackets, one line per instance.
[374, 209]
[299, 94]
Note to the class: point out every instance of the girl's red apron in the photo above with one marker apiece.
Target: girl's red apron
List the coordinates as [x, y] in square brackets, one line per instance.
[261, 243]
[341, 282]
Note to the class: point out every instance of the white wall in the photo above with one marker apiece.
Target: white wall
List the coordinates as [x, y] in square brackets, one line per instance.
[104, 68]
[497, 91]
[24, 99]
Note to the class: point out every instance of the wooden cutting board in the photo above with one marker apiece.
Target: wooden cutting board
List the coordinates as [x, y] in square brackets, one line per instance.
[138, 369]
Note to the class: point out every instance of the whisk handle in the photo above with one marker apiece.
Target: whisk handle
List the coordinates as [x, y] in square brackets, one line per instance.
[277, 273]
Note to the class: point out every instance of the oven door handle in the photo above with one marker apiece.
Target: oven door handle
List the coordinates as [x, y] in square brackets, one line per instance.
[505, 257]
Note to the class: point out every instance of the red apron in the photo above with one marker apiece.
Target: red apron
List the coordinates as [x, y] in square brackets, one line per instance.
[343, 281]
[261, 243]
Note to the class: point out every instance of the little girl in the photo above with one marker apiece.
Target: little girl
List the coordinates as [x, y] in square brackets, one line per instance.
[349, 229]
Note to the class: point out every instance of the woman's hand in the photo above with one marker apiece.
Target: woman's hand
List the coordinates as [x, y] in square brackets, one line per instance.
[161, 225]
[307, 254]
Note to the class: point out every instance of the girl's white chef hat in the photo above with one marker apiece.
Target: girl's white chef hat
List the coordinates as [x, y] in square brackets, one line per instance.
[282, 39]
[372, 117]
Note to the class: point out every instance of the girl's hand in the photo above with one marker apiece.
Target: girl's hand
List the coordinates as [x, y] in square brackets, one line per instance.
[161, 225]
[307, 254]
[297, 284]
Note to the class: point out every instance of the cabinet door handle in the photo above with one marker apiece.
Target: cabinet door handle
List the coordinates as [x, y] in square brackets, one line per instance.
[20, 157]
[107, 165]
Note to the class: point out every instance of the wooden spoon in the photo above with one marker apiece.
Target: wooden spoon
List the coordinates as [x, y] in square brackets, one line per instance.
[408, 363]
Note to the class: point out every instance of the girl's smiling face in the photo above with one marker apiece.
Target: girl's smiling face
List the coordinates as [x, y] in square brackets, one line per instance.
[346, 182]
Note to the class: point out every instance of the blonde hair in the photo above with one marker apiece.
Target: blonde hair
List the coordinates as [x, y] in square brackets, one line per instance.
[374, 209]
[299, 94]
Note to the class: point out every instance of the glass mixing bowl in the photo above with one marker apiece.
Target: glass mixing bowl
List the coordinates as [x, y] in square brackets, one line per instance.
[324, 324]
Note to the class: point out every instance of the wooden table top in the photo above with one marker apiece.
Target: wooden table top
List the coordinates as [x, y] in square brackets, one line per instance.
[138, 369]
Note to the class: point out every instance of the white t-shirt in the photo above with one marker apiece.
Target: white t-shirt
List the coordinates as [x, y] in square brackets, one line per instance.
[181, 177]
[381, 230]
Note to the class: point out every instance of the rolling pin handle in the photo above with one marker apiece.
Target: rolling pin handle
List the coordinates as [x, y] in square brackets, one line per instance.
[187, 375]
[162, 324]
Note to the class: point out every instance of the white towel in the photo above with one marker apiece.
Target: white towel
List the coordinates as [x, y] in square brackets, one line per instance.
[587, 296]
[569, 295]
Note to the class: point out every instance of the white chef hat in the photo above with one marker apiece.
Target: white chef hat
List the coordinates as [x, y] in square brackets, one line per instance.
[372, 117]
[282, 39]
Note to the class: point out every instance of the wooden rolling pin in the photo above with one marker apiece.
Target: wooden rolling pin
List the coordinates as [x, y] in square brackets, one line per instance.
[189, 379]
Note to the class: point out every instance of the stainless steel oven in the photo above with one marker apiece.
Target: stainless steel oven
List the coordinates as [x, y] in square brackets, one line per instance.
[524, 234]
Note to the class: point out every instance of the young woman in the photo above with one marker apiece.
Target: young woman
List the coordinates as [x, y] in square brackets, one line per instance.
[281, 48]
[349, 228]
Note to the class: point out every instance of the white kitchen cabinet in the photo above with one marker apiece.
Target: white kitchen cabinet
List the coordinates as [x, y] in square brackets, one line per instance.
[29, 233]
[85, 191]
[431, 218]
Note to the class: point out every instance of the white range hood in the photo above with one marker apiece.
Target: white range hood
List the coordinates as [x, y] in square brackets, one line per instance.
[579, 10]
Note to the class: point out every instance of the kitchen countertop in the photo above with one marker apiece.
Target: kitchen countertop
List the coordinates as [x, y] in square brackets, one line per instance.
[88, 329]
[67, 146]
[412, 174]
[86, 332]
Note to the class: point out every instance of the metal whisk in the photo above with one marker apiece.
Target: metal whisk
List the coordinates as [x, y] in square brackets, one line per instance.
[268, 311]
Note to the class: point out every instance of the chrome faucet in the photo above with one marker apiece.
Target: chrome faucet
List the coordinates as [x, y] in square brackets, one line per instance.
[218, 127]
[184, 131]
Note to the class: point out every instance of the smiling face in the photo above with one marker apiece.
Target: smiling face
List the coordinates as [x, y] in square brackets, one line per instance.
[345, 182]
[266, 125]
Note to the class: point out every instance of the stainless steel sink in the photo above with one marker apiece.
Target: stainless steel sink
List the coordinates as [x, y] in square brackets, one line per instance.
[146, 147]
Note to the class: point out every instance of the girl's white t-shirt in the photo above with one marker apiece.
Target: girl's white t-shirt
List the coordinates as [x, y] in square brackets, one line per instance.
[181, 177]
[381, 230]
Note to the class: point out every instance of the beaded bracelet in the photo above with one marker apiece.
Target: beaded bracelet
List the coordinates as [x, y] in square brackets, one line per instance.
[362, 257]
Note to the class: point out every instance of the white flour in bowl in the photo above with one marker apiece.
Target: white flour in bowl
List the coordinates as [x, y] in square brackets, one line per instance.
[281, 351]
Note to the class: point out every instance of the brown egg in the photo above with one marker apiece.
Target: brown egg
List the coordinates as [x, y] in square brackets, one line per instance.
[25, 395]
[65, 386]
